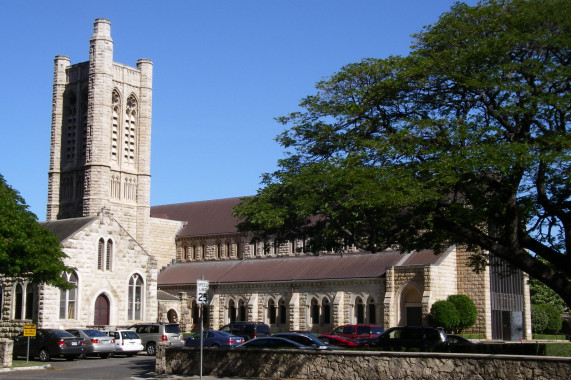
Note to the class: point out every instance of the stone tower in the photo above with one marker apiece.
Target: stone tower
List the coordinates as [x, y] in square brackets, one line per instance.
[101, 137]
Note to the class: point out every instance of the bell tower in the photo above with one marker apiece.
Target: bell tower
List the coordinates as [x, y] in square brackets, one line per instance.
[101, 137]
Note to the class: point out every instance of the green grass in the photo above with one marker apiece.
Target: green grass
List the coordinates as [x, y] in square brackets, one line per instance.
[549, 337]
[23, 363]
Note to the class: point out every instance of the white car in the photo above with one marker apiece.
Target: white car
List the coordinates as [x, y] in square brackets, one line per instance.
[127, 342]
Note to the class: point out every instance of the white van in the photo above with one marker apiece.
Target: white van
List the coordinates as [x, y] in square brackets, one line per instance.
[127, 342]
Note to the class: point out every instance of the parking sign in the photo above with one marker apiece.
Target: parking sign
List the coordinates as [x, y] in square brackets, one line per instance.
[201, 292]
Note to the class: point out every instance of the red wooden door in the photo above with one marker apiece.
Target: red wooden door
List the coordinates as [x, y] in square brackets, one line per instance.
[101, 311]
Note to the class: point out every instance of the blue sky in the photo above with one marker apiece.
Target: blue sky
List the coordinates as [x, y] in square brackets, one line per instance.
[223, 70]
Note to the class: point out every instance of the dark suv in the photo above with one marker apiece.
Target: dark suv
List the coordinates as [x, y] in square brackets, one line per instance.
[421, 338]
[247, 330]
[151, 334]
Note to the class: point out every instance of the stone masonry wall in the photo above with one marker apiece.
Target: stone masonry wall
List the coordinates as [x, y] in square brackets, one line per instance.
[356, 365]
[162, 242]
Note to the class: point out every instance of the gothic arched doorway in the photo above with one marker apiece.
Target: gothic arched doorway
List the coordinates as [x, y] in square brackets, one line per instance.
[101, 312]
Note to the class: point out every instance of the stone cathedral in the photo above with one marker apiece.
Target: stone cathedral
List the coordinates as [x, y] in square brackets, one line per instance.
[137, 263]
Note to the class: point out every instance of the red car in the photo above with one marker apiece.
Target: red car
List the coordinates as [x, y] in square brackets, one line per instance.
[357, 331]
[339, 341]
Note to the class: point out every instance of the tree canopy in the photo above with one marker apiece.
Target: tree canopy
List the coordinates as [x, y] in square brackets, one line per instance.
[26, 248]
[463, 141]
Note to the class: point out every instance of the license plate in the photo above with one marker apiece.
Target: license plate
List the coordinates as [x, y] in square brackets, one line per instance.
[74, 343]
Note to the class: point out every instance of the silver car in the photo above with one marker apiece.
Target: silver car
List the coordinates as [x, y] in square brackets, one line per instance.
[168, 334]
[97, 343]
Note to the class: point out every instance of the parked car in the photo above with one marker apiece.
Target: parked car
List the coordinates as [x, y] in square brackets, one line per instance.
[357, 331]
[306, 332]
[97, 343]
[127, 342]
[457, 340]
[421, 338]
[50, 343]
[151, 334]
[247, 330]
[338, 341]
[306, 340]
[213, 338]
[273, 342]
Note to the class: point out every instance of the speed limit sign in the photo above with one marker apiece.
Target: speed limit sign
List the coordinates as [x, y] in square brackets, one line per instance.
[201, 292]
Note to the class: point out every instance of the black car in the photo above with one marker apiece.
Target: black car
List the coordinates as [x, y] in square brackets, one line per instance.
[421, 338]
[273, 343]
[50, 343]
[247, 330]
[306, 340]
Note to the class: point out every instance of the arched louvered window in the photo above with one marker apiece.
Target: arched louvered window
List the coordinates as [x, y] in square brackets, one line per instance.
[130, 131]
[109, 254]
[100, 254]
[116, 122]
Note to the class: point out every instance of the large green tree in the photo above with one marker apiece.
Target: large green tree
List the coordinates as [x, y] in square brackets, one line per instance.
[463, 141]
[26, 248]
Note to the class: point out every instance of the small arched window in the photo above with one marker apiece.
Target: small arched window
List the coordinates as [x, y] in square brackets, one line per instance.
[282, 312]
[360, 310]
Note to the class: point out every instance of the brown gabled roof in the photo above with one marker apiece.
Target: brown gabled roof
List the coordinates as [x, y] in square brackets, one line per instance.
[66, 227]
[203, 218]
[298, 268]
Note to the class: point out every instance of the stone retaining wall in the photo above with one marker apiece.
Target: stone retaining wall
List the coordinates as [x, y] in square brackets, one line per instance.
[357, 365]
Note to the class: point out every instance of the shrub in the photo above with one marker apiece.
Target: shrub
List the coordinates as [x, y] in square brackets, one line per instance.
[444, 314]
[554, 320]
[539, 318]
[467, 312]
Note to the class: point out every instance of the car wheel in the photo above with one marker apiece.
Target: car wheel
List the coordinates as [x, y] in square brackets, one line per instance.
[44, 355]
[151, 349]
[105, 356]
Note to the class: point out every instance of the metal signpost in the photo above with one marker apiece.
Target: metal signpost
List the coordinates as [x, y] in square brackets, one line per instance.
[201, 299]
[29, 331]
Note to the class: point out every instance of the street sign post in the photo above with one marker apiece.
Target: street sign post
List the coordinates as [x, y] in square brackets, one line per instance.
[201, 299]
[29, 331]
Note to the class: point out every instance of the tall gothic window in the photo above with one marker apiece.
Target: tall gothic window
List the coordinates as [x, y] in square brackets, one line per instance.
[282, 312]
[371, 311]
[18, 300]
[68, 298]
[360, 311]
[326, 312]
[135, 297]
[24, 300]
[232, 311]
[129, 131]
[241, 311]
[314, 312]
[272, 312]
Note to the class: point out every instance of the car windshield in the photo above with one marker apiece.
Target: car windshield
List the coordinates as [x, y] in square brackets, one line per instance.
[129, 335]
[172, 329]
[94, 333]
